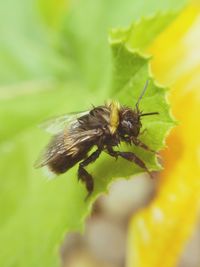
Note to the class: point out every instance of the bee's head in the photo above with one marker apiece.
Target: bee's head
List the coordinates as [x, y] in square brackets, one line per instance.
[130, 121]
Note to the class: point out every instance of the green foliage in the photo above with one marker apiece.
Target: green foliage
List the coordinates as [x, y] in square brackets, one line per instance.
[45, 70]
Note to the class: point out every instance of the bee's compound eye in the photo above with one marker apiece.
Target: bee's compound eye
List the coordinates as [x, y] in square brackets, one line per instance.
[127, 124]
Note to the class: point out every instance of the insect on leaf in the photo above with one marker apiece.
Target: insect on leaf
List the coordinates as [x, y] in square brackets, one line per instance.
[35, 214]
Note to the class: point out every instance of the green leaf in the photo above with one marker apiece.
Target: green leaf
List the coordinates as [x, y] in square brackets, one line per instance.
[53, 12]
[85, 38]
[35, 214]
[27, 49]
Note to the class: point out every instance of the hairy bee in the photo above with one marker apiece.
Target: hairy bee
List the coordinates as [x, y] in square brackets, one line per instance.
[74, 135]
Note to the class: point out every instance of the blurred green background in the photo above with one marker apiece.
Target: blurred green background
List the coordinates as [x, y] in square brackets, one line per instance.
[54, 59]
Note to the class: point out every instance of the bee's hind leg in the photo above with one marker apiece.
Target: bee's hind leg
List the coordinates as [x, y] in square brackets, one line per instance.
[84, 176]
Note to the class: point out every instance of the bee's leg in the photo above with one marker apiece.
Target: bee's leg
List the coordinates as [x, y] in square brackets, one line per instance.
[87, 178]
[144, 131]
[139, 143]
[130, 157]
[83, 175]
[112, 152]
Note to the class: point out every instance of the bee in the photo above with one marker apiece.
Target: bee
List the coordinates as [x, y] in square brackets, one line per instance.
[103, 127]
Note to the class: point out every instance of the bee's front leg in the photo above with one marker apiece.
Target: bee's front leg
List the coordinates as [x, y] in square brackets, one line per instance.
[130, 156]
[139, 143]
[84, 176]
[87, 178]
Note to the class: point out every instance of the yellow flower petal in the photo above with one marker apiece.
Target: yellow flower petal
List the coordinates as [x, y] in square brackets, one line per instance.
[158, 234]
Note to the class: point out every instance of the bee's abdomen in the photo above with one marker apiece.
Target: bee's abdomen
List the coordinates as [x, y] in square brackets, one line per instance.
[63, 162]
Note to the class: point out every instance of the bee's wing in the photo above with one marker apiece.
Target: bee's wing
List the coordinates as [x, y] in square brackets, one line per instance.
[51, 151]
[65, 144]
[79, 137]
[58, 124]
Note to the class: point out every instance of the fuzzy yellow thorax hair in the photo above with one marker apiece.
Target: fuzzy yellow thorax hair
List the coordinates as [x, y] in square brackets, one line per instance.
[114, 107]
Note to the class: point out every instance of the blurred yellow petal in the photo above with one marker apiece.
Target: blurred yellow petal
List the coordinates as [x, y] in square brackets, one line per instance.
[157, 234]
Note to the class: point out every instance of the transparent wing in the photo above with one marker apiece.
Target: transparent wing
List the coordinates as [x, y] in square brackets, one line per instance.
[56, 125]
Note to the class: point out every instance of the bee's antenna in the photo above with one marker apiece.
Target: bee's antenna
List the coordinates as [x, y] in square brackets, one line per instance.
[150, 113]
[141, 95]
